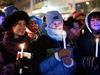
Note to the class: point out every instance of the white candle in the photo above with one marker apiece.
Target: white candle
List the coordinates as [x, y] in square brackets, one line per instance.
[64, 39]
[97, 41]
[20, 71]
[22, 49]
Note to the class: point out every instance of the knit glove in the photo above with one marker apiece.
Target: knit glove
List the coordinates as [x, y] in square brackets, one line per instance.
[91, 62]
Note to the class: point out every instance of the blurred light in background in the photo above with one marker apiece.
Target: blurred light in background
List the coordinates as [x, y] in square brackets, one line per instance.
[87, 3]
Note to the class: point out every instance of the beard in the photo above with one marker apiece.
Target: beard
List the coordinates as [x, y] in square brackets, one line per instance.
[55, 33]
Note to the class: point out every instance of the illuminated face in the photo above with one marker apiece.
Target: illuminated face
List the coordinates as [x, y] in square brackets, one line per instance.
[95, 23]
[19, 28]
[1, 19]
[57, 25]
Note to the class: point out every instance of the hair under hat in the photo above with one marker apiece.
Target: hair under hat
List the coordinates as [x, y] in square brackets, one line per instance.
[52, 16]
[15, 17]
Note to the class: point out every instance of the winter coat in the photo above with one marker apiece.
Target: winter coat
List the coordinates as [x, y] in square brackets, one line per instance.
[87, 61]
[50, 65]
[8, 52]
[85, 55]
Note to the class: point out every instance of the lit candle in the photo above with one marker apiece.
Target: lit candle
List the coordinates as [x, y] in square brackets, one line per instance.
[22, 49]
[64, 39]
[82, 31]
[97, 41]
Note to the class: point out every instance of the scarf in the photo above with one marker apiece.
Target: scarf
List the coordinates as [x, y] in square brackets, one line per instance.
[12, 45]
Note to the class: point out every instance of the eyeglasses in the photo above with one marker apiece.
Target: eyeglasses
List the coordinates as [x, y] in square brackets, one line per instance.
[77, 28]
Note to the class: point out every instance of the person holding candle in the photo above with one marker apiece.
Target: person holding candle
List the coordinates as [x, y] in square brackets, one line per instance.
[88, 52]
[58, 56]
[11, 63]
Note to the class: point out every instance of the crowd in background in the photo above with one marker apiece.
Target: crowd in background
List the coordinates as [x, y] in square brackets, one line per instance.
[52, 46]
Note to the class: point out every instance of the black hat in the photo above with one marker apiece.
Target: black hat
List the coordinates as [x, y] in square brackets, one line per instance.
[15, 17]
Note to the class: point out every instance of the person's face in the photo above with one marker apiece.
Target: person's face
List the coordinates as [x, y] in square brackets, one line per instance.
[19, 28]
[75, 30]
[57, 25]
[1, 19]
[55, 30]
[95, 23]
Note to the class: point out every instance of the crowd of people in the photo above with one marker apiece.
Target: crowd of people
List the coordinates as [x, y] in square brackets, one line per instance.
[56, 47]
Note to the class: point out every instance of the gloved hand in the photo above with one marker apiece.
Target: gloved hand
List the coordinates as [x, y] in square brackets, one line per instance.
[67, 60]
[64, 53]
[91, 62]
[23, 62]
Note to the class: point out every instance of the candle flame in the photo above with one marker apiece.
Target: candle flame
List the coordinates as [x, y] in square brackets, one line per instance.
[97, 39]
[22, 46]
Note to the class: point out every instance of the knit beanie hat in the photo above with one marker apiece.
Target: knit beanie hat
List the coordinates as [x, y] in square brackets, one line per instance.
[52, 16]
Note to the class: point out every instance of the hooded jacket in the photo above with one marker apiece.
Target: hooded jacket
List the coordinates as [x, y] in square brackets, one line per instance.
[95, 11]
[85, 55]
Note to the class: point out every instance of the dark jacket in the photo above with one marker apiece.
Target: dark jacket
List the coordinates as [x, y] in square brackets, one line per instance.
[87, 61]
[85, 56]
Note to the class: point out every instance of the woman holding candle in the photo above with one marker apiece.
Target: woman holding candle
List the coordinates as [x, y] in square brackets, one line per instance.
[15, 34]
[88, 52]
